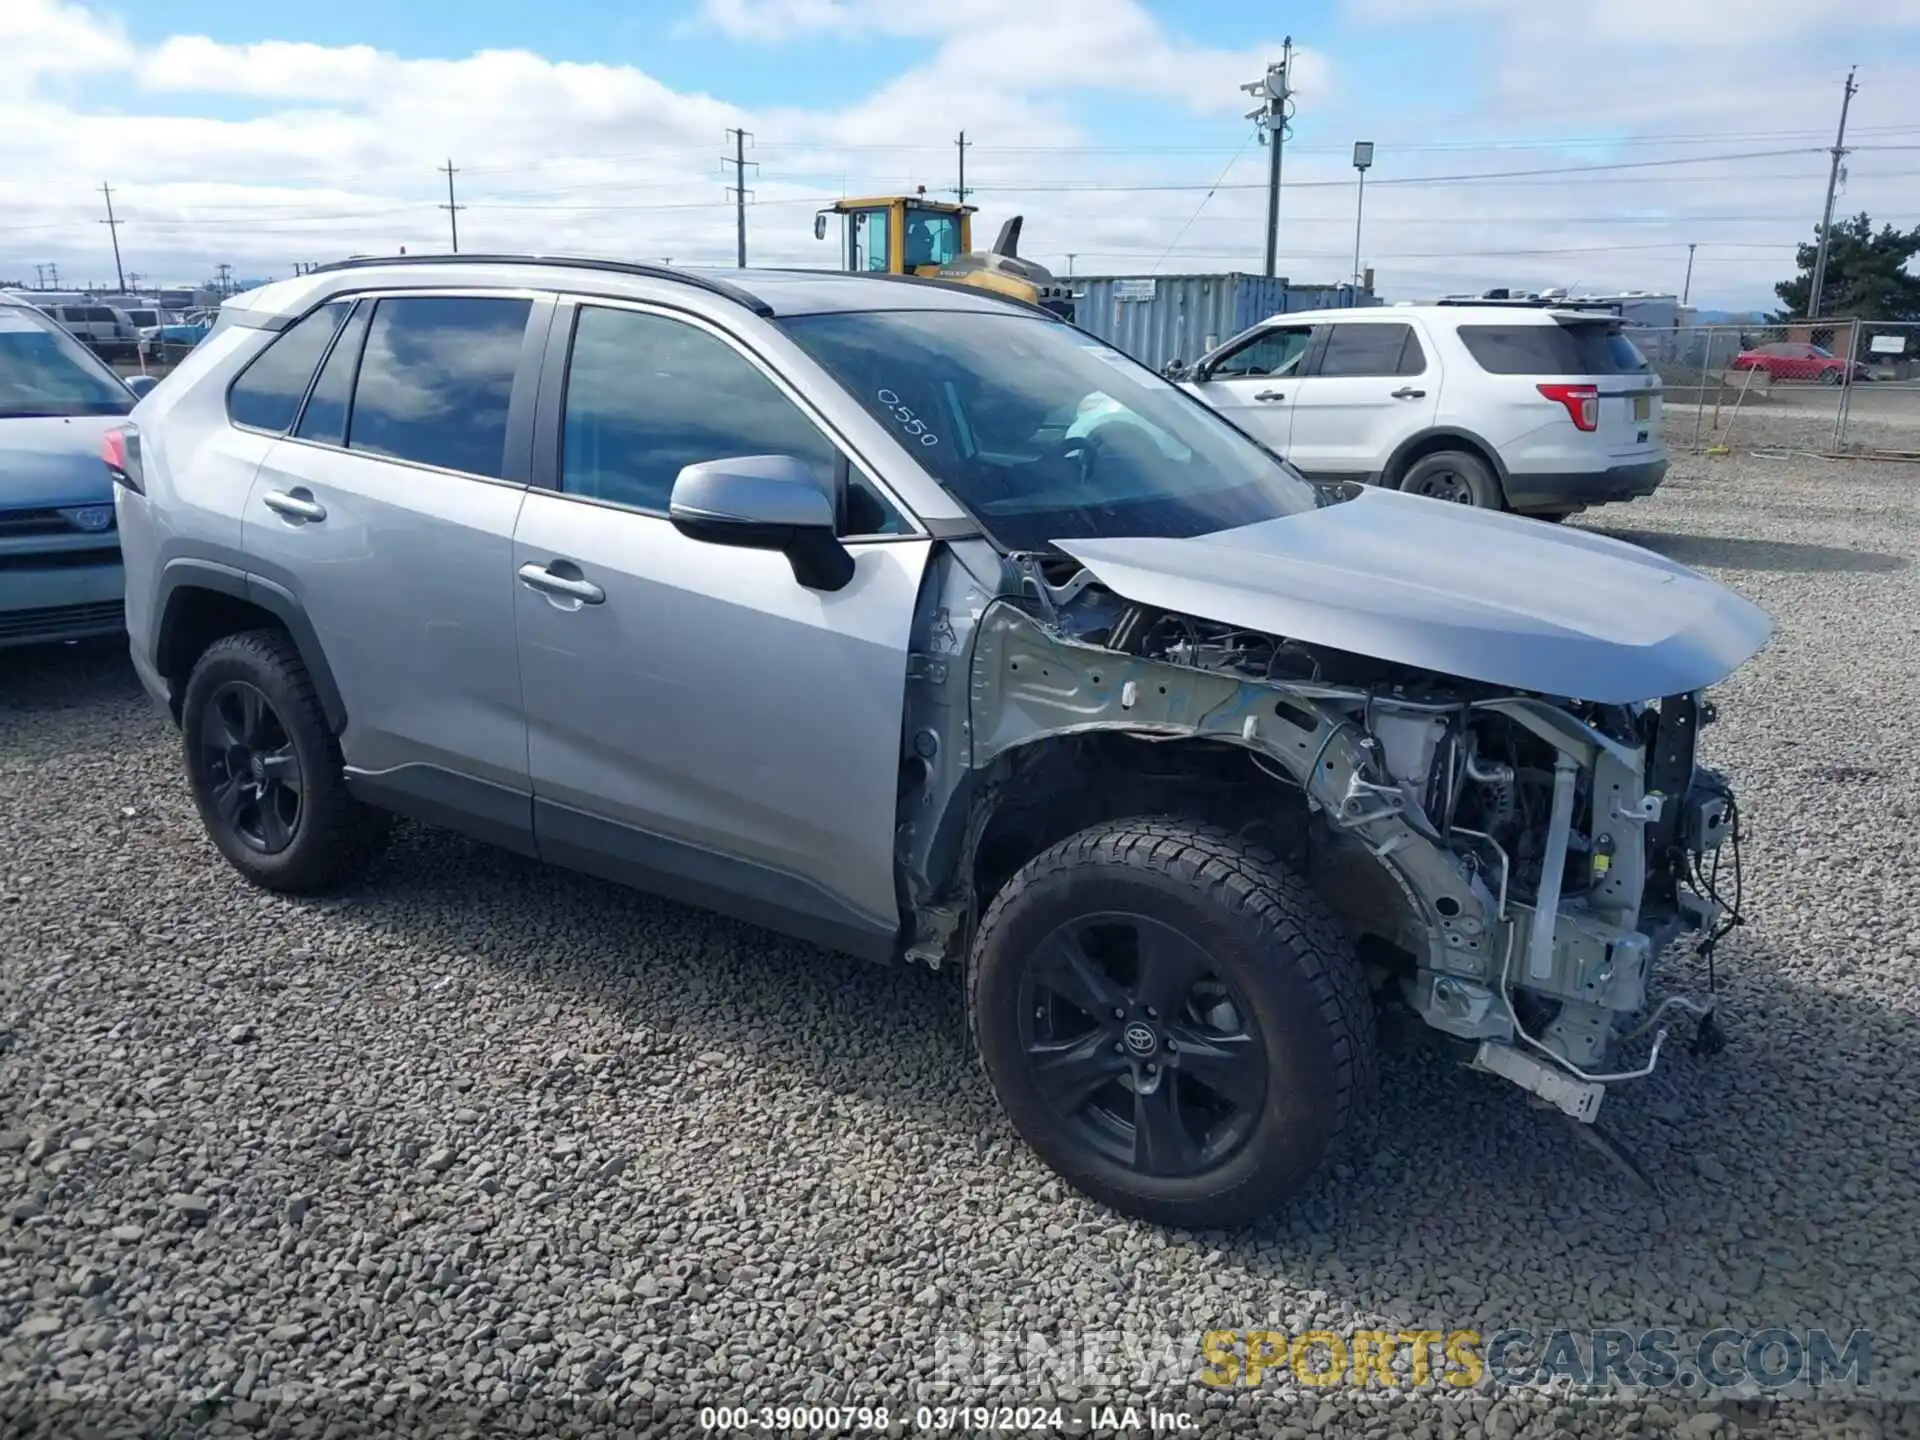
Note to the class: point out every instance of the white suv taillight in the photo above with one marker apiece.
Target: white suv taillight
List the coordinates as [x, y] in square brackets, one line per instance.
[1582, 402]
[120, 448]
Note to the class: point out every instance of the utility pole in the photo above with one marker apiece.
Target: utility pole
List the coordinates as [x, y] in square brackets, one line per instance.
[226, 278]
[1833, 184]
[739, 192]
[1687, 289]
[53, 274]
[1271, 120]
[961, 191]
[453, 210]
[113, 228]
[39, 277]
[1071, 256]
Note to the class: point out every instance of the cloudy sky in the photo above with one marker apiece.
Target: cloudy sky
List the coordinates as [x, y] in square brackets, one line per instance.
[1519, 142]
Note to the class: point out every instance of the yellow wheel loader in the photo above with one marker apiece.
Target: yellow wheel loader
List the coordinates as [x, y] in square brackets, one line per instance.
[912, 235]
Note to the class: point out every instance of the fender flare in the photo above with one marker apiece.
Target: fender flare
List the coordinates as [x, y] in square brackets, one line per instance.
[1397, 460]
[182, 575]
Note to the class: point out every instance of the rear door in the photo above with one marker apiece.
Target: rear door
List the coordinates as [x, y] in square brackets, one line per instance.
[388, 514]
[1371, 385]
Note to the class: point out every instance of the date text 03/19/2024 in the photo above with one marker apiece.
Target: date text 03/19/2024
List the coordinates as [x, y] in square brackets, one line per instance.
[944, 1419]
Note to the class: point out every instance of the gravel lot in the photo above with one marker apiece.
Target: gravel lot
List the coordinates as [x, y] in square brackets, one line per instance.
[485, 1135]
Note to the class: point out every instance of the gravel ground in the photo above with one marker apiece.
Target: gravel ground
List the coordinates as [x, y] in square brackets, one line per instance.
[489, 1136]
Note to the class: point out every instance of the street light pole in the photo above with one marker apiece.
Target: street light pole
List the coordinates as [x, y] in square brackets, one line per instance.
[1362, 161]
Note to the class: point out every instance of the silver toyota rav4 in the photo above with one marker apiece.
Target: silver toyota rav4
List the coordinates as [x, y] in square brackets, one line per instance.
[927, 627]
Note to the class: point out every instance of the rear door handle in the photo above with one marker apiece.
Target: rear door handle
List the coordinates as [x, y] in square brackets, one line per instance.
[1271, 395]
[1407, 392]
[294, 507]
[542, 578]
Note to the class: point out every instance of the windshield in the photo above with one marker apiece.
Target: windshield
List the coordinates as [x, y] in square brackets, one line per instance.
[44, 371]
[1044, 433]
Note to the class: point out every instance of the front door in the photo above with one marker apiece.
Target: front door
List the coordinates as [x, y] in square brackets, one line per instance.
[699, 723]
[388, 514]
[1252, 385]
[1371, 388]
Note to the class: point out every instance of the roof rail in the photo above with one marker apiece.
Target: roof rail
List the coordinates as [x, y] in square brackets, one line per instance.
[1529, 302]
[958, 286]
[735, 293]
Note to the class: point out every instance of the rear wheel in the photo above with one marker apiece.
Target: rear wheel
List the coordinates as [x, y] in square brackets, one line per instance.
[1830, 377]
[1455, 476]
[1171, 1020]
[266, 771]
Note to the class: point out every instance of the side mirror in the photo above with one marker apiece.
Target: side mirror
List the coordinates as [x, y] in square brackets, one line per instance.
[764, 502]
[820, 225]
[141, 384]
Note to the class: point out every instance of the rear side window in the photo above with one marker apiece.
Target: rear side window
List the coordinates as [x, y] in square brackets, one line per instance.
[1372, 349]
[268, 393]
[435, 381]
[1552, 350]
[101, 313]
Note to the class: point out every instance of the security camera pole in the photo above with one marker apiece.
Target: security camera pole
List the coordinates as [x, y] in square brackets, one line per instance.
[1362, 161]
[1271, 119]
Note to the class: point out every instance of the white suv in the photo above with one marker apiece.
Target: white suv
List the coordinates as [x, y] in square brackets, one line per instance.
[1542, 410]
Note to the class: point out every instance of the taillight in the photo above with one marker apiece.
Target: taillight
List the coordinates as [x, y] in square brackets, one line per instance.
[1582, 402]
[120, 448]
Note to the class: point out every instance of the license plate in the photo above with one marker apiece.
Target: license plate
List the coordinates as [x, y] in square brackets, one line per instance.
[1642, 407]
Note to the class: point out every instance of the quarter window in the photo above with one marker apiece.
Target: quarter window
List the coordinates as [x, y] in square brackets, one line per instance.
[436, 379]
[647, 396]
[1360, 349]
[325, 418]
[268, 393]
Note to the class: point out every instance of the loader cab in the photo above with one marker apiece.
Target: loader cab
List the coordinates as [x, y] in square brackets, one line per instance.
[900, 234]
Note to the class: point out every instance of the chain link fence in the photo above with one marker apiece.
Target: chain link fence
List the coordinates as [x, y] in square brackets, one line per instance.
[1827, 387]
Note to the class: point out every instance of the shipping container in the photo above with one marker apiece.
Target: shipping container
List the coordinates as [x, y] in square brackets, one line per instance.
[1160, 318]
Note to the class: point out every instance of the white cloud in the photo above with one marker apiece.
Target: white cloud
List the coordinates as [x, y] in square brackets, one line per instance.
[262, 154]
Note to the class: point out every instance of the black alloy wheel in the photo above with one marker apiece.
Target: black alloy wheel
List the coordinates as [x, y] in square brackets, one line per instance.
[257, 791]
[1147, 1054]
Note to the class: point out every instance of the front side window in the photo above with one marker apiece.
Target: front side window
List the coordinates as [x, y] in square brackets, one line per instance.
[648, 395]
[268, 393]
[1364, 349]
[1276, 352]
[436, 378]
[46, 372]
[1044, 433]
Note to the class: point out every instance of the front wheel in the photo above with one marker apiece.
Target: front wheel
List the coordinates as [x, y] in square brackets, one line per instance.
[1171, 1020]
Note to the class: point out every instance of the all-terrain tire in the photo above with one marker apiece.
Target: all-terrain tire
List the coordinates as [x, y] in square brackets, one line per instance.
[334, 836]
[1265, 934]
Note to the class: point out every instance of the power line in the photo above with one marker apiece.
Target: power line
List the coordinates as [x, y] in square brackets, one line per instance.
[453, 210]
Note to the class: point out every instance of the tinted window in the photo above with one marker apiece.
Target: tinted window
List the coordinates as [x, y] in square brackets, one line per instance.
[647, 395]
[1277, 352]
[435, 381]
[267, 394]
[45, 371]
[1362, 349]
[1559, 349]
[1044, 433]
[101, 313]
[325, 418]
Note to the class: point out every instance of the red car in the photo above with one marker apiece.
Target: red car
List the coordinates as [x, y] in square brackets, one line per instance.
[1793, 361]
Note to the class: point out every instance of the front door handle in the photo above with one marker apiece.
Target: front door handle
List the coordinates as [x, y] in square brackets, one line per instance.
[294, 506]
[1407, 392]
[1271, 395]
[573, 587]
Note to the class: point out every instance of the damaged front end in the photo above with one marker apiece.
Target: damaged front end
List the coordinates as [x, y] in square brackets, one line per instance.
[1513, 862]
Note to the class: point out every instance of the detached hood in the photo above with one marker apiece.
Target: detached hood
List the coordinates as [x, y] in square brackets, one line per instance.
[54, 460]
[1465, 592]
